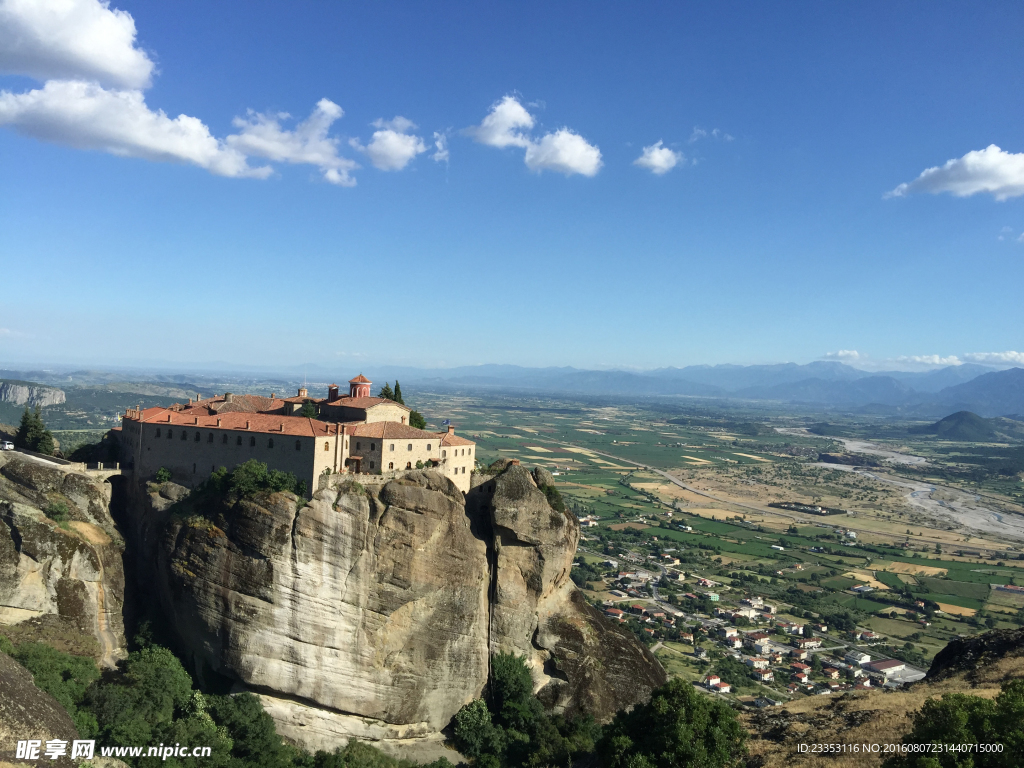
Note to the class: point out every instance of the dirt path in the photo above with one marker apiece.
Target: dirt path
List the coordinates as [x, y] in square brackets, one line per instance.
[109, 646]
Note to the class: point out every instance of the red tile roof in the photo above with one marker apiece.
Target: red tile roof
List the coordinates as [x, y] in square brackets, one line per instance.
[265, 423]
[362, 402]
[360, 379]
[448, 438]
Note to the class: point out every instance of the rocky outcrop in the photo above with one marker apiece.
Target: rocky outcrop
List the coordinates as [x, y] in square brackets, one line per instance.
[579, 660]
[967, 654]
[27, 393]
[373, 611]
[71, 567]
[29, 713]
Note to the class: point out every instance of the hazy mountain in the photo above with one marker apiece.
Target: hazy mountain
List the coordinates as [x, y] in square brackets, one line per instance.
[933, 381]
[883, 390]
[732, 378]
[992, 394]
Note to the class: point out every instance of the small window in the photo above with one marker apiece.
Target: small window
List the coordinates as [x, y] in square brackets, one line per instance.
[209, 438]
[158, 432]
[371, 465]
[238, 441]
[403, 419]
[428, 446]
[359, 446]
[463, 470]
[470, 451]
[252, 442]
[346, 445]
[198, 437]
[444, 454]
[408, 465]
[193, 469]
[391, 448]
[170, 434]
[270, 443]
[225, 440]
[184, 435]
[391, 465]
[410, 446]
[298, 445]
[327, 446]
[373, 446]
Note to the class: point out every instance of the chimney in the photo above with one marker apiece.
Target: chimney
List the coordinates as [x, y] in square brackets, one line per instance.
[332, 393]
[218, 422]
[451, 430]
[229, 397]
[303, 392]
[197, 420]
[272, 397]
[246, 424]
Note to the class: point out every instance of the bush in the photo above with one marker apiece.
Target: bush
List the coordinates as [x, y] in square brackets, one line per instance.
[57, 511]
[63, 676]
[959, 718]
[416, 420]
[163, 475]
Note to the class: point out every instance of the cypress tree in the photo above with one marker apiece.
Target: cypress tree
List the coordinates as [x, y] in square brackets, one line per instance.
[32, 433]
[398, 393]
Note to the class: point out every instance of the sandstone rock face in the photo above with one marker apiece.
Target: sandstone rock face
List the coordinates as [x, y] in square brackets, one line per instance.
[368, 605]
[373, 611]
[579, 660]
[29, 713]
[72, 571]
[22, 393]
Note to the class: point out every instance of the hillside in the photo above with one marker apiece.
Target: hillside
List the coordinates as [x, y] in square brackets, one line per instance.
[963, 425]
[977, 666]
[994, 394]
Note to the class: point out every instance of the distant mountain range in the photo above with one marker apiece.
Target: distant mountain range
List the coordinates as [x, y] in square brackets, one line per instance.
[932, 394]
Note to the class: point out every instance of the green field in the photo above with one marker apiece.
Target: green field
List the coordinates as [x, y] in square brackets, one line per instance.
[957, 588]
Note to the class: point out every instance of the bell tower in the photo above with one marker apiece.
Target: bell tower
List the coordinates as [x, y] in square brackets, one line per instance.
[359, 386]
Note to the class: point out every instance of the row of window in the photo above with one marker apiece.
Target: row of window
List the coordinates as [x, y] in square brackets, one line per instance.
[224, 439]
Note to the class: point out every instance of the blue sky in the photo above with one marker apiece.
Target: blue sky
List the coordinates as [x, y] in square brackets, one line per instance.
[463, 183]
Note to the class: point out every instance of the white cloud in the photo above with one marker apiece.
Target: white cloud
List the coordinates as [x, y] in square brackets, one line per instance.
[991, 170]
[87, 116]
[564, 151]
[261, 135]
[658, 159]
[503, 125]
[392, 147]
[715, 133]
[844, 355]
[1020, 239]
[441, 154]
[508, 125]
[73, 40]
[996, 358]
[929, 360]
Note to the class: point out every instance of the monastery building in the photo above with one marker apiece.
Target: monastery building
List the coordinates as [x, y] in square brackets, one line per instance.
[355, 434]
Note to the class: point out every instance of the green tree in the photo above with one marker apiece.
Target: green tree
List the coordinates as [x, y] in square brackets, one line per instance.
[398, 393]
[959, 718]
[677, 727]
[386, 392]
[32, 434]
[416, 420]
[63, 676]
[308, 410]
[163, 475]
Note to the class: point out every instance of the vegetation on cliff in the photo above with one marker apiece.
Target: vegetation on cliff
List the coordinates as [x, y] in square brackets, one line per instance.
[32, 433]
[151, 699]
[223, 488]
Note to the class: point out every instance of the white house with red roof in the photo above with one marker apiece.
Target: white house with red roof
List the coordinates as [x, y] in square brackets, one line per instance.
[193, 440]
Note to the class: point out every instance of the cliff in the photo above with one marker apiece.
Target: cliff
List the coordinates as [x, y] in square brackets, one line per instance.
[373, 611]
[29, 713]
[59, 576]
[27, 393]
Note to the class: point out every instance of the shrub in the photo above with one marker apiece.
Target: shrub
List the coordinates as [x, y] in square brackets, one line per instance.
[57, 511]
[163, 475]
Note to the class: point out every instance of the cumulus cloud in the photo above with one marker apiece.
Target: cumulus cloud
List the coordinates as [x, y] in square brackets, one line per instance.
[87, 116]
[563, 151]
[929, 360]
[504, 125]
[71, 39]
[261, 135]
[392, 147]
[991, 170]
[658, 159]
[844, 355]
[508, 124]
[996, 358]
[441, 154]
